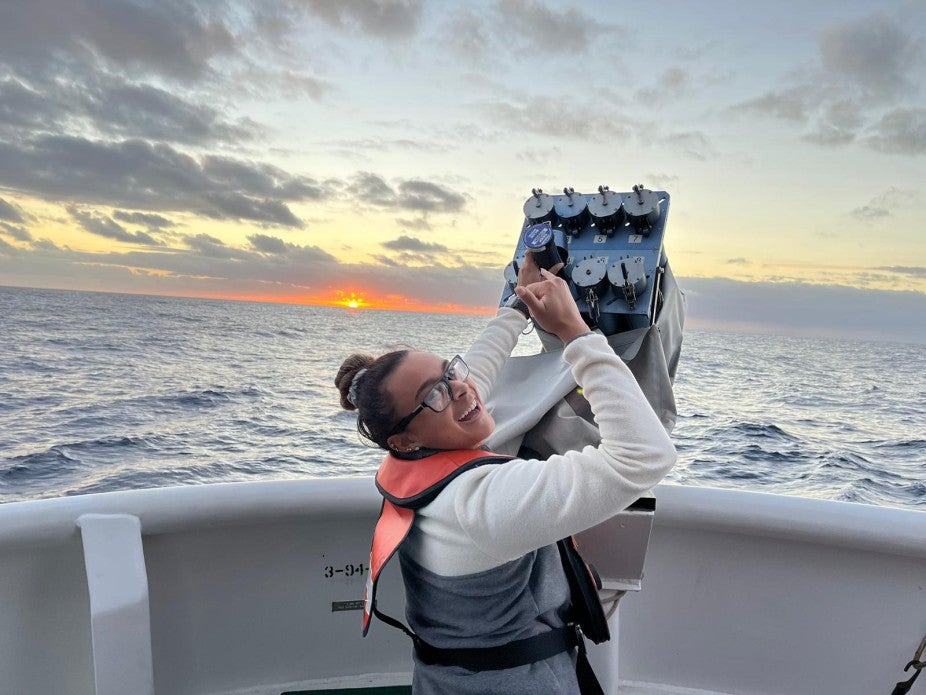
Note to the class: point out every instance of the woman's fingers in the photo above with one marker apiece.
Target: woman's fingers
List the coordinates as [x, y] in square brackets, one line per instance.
[528, 297]
[530, 272]
[551, 304]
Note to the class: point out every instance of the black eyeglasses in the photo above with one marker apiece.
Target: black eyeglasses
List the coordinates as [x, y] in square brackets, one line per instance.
[439, 396]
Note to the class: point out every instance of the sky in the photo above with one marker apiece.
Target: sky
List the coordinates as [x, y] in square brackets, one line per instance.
[379, 152]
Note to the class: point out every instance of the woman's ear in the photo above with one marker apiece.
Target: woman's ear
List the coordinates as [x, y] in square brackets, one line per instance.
[403, 441]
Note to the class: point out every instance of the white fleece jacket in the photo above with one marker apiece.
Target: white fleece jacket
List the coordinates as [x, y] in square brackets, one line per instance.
[493, 514]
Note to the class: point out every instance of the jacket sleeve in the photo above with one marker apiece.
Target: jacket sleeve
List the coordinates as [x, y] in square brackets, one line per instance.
[498, 513]
[492, 348]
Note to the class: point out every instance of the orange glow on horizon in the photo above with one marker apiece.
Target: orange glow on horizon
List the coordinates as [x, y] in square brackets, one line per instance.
[357, 300]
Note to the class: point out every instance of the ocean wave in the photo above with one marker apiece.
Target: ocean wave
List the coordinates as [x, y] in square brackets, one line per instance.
[843, 461]
[207, 398]
[902, 446]
[42, 465]
[751, 430]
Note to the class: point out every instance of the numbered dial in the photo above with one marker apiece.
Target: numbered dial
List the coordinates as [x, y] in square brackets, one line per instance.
[591, 274]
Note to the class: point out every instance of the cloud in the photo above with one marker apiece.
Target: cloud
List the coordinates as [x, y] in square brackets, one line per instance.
[854, 94]
[241, 207]
[483, 36]
[418, 224]
[901, 131]
[874, 52]
[469, 35]
[829, 136]
[407, 243]
[539, 157]
[166, 71]
[425, 196]
[10, 212]
[866, 213]
[7, 249]
[672, 84]
[561, 118]
[385, 145]
[18, 233]
[662, 182]
[914, 271]
[23, 107]
[213, 247]
[176, 39]
[104, 226]
[792, 104]
[135, 173]
[384, 19]
[694, 144]
[557, 117]
[415, 195]
[115, 108]
[566, 31]
[151, 221]
[883, 204]
[267, 244]
[207, 265]
[794, 307]
[120, 108]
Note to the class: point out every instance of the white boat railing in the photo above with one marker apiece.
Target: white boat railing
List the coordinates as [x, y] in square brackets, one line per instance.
[232, 588]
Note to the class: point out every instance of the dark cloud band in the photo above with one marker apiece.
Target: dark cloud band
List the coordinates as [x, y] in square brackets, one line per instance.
[135, 173]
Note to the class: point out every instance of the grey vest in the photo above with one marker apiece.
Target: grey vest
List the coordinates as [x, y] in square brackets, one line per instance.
[518, 599]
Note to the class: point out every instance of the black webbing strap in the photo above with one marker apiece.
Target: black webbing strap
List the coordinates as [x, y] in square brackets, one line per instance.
[516, 653]
[510, 655]
[398, 624]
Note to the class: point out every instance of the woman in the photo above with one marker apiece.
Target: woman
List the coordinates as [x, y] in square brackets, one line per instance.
[479, 563]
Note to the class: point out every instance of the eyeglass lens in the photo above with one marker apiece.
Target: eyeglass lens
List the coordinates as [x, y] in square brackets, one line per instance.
[439, 396]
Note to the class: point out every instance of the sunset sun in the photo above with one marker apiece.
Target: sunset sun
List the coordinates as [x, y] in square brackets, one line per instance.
[352, 300]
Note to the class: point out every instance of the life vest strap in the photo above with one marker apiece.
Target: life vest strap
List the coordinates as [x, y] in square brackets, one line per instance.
[515, 653]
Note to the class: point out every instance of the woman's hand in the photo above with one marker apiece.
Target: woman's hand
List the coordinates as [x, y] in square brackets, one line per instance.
[552, 306]
[529, 272]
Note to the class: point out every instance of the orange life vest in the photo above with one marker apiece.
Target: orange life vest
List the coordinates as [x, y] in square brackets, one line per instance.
[407, 485]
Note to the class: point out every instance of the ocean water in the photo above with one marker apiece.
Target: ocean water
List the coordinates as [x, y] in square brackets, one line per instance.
[104, 392]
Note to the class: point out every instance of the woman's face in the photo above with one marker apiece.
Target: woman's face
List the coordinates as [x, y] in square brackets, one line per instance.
[464, 424]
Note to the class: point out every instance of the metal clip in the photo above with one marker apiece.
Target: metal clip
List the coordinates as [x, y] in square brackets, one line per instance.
[593, 311]
[630, 295]
[903, 687]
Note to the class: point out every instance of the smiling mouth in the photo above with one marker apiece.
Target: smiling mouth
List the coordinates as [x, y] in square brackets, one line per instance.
[473, 412]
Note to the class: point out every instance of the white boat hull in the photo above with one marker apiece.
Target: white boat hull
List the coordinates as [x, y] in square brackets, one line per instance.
[743, 593]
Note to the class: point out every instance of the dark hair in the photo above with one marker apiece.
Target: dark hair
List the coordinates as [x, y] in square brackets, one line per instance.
[375, 410]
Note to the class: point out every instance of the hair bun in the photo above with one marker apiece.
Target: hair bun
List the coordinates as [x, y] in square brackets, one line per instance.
[345, 377]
